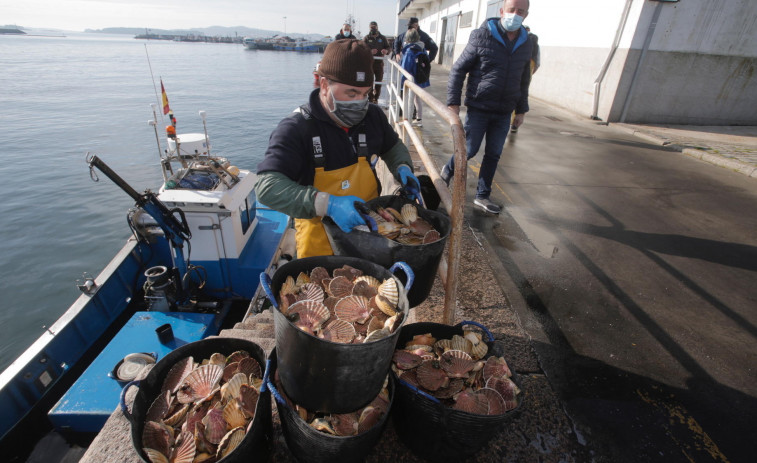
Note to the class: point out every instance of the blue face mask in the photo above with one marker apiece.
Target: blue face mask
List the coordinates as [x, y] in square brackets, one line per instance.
[511, 22]
[346, 33]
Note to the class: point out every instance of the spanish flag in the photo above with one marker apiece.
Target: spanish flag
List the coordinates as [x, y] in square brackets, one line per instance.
[166, 109]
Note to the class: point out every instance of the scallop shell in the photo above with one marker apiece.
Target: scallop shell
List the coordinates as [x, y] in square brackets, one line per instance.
[323, 425]
[431, 376]
[384, 305]
[233, 414]
[496, 367]
[497, 405]
[155, 456]
[377, 335]
[302, 279]
[425, 339]
[353, 309]
[288, 287]
[200, 383]
[195, 416]
[505, 386]
[431, 236]
[177, 416]
[330, 302]
[286, 301]
[231, 389]
[251, 367]
[201, 442]
[472, 402]
[204, 457]
[158, 436]
[230, 442]
[312, 291]
[442, 346]
[460, 343]
[237, 356]
[308, 315]
[215, 425]
[393, 323]
[177, 373]
[363, 288]
[345, 424]
[410, 377]
[455, 385]
[389, 290]
[248, 399]
[185, 451]
[218, 359]
[409, 214]
[348, 272]
[406, 360]
[340, 287]
[230, 370]
[478, 351]
[338, 331]
[318, 274]
[371, 280]
[159, 407]
[456, 363]
[376, 323]
[368, 418]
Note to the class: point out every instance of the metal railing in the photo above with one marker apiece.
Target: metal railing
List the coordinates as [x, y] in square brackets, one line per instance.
[400, 96]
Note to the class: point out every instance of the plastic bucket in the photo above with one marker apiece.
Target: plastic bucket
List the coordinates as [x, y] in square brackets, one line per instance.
[308, 444]
[422, 258]
[432, 430]
[256, 443]
[325, 376]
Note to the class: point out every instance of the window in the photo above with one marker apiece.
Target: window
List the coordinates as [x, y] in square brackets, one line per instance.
[492, 8]
[432, 27]
[247, 212]
[466, 19]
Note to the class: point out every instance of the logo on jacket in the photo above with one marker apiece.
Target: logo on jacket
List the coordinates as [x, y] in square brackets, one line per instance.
[360, 77]
[345, 185]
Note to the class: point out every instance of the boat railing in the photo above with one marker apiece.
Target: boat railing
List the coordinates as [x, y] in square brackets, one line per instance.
[402, 90]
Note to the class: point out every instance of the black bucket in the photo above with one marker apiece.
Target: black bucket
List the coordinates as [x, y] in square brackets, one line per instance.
[432, 430]
[422, 258]
[257, 440]
[325, 376]
[310, 445]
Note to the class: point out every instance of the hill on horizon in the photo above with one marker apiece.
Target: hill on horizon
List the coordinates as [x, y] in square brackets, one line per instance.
[212, 31]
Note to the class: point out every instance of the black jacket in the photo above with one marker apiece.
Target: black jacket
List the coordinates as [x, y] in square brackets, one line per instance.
[428, 43]
[498, 71]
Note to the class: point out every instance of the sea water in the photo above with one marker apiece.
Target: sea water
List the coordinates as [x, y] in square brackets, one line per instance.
[61, 97]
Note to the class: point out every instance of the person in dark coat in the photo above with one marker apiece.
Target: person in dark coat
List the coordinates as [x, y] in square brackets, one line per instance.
[345, 33]
[428, 43]
[379, 47]
[496, 61]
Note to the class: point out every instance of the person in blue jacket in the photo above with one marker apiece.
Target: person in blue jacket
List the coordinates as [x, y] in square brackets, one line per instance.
[428, 43]
[496, 61]
[411, 50]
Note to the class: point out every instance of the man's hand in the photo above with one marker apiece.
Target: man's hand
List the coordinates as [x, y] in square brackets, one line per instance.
[455, 109]
[518, 119]
[409, 181]
[342, 210]
[384, 51]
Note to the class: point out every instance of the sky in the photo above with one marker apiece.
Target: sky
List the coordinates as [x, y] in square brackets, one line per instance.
[302, 16]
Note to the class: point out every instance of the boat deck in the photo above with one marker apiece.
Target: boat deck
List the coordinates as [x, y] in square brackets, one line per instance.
[540, 432]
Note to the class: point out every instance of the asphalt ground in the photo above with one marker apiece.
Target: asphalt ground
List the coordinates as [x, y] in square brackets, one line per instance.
[630, 264]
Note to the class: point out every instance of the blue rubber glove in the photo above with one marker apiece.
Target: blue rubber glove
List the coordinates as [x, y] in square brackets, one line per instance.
[410, 182]
[342, 210]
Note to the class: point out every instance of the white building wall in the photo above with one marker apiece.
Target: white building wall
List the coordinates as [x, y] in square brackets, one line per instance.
[694, 65]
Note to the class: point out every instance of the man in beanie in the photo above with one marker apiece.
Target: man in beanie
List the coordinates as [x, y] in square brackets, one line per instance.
[345, 32]
[319, 160]
[428, 43]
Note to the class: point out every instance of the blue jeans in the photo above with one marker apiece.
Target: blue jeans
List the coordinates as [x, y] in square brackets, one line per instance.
[495, 127]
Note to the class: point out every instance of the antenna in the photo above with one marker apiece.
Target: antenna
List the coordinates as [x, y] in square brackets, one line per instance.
[157, 98]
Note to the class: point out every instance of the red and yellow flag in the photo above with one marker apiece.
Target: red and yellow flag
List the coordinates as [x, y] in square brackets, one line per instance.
[166, 109]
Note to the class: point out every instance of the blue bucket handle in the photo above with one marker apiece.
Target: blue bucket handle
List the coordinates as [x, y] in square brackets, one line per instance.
[469, 322]
[418, 391]
[276, 393]
[265, 282]
[122, 400]
[266, 375]
[408, 272]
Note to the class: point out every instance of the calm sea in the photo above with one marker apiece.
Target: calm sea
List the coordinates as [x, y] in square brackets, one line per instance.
[63, 97]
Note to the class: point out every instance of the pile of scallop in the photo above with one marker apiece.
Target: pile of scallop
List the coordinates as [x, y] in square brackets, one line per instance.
[455, 372]
[204, 410]
[343, 424]
[345, 307]
[404, 226]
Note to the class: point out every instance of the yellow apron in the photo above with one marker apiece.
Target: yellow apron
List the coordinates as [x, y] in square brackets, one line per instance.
[357, 180]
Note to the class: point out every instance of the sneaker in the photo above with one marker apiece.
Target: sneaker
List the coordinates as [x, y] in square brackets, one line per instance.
[417, 123]
[513, 129]
[445, 174]
[487, 206]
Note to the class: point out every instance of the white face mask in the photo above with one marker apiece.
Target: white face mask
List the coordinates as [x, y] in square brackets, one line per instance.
[346, 33]
[511, 22]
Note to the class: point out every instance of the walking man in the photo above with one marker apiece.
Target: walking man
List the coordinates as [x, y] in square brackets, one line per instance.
[345, 32]
[497, 63]
[428, 43]
[379, 47]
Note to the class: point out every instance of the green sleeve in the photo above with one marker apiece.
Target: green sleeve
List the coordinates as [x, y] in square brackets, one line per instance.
[281, 193]
[397, 155]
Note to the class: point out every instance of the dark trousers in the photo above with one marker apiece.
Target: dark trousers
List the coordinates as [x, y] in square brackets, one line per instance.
[378, 76]
[495, 127]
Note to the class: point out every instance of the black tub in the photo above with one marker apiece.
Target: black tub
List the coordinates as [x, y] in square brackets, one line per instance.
[325, 376]
[432, 430]
[423, 258]
[257, 441]
[310, 445]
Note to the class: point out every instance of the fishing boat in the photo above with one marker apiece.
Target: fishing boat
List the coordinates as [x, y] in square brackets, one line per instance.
[190, 269]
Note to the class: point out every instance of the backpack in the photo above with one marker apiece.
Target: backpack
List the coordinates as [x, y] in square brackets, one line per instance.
[422, 68]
